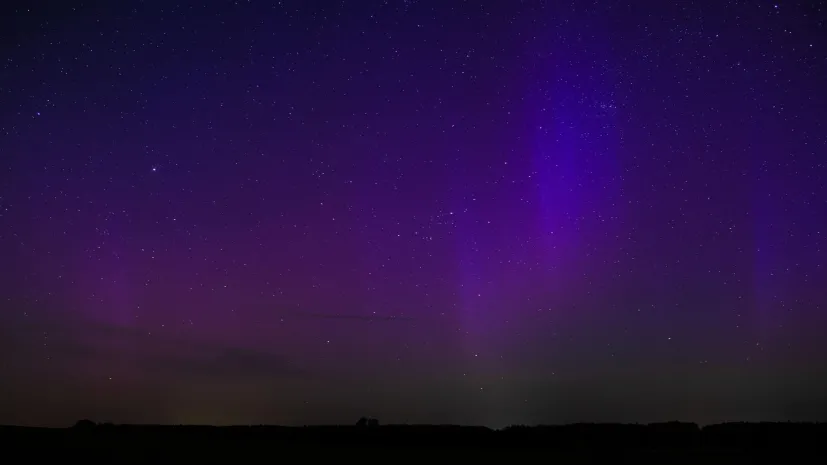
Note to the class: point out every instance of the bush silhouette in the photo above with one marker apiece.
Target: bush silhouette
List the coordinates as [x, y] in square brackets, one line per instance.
[85, 424]
[365, 422]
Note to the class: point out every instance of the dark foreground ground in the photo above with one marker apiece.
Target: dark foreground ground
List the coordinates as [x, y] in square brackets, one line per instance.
[678, 443]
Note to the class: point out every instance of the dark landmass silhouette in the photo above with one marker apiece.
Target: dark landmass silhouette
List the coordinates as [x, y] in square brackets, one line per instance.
[369, 442]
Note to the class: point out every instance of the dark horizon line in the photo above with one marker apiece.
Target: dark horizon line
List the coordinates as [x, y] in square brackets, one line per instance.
[685, 424]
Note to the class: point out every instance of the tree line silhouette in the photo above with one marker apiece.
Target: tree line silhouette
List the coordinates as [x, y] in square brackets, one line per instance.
[643, 443]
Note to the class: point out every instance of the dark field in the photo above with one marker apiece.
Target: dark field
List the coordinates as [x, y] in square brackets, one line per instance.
[664, 443]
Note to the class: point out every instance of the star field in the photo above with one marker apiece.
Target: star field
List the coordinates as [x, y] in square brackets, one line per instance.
[448, 212]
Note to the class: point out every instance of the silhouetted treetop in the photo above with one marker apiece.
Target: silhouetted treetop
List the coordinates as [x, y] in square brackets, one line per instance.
[85, 424]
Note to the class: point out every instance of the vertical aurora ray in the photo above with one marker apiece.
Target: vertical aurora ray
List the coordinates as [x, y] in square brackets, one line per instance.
[480, 324]
[763, 253]
[574, 105]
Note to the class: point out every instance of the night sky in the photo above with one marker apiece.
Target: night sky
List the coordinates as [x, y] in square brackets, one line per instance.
[439, 211]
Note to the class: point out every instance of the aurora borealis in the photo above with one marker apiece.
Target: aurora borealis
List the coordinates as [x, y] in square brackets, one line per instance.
[423, 211]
